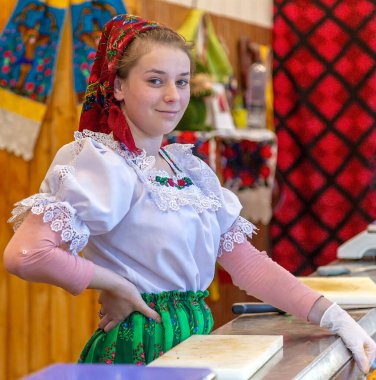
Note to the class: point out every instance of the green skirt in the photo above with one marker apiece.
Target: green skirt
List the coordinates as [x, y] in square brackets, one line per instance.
[140, 340]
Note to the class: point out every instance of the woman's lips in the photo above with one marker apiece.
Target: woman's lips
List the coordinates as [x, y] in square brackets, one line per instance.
[168, 113]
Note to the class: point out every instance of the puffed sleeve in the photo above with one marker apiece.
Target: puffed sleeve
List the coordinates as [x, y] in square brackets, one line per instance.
[234, 228]
[87, 191]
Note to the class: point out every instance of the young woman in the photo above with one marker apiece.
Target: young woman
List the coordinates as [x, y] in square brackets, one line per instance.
[152, 221]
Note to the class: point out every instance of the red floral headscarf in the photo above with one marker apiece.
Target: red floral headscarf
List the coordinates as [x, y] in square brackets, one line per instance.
[101, 112]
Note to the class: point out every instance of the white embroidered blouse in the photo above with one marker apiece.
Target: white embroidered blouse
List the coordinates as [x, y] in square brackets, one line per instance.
[160, 232]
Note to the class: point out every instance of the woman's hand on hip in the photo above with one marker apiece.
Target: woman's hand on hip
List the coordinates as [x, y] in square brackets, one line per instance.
[118, 297]
[118, 305]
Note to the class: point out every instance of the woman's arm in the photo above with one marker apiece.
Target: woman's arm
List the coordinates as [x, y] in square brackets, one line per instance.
[257, 274]
[36, 253]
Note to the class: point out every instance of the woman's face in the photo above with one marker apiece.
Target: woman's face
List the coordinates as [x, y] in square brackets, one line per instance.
[156, 92]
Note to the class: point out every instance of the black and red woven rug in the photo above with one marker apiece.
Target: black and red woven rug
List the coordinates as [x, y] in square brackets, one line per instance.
[324, 78]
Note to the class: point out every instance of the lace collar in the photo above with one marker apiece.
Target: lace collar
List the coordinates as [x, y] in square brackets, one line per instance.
[196, 194]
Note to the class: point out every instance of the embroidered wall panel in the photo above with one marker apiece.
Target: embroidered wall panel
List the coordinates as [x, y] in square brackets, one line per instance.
[29, 48]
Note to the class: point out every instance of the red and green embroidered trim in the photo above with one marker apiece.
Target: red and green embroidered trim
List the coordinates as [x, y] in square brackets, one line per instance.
[179, 184]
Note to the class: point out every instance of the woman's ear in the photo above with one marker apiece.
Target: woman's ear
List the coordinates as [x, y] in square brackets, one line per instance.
[118, 92]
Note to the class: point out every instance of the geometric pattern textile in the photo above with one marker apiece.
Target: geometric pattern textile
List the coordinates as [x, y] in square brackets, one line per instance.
[324, 81]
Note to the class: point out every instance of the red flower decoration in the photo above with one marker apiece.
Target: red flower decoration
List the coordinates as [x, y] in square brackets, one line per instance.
[30, 86]
[265, 171]
[181, 182]
[228, 173]
[203, 149]
[266, 151]
[187, 138]
[246, 178]
[171, 182]
[91, 55]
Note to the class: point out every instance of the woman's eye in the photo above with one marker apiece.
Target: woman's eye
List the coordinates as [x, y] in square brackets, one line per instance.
[182, 83]
[155, 81]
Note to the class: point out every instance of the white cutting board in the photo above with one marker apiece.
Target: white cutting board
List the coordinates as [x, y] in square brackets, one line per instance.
[344, 290]
[231, 357]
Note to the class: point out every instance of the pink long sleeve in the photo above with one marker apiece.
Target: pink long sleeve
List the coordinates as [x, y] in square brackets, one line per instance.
[34, 254]
[261, 277]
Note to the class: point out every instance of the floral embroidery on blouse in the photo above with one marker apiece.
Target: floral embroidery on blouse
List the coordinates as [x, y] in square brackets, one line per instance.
[179, 184]
[236, 234]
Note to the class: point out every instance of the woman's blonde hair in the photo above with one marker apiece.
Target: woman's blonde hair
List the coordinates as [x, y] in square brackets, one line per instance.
[143, 43]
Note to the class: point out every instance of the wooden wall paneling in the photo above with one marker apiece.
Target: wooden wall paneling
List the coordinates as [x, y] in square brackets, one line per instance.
[171, 15]
[84, 321]
[39, 320]
[5, 233]
[133, 6]
[18, 328]
[18, 290]
[60, 326]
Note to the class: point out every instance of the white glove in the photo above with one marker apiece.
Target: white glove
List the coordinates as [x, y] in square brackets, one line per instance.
[361, 345]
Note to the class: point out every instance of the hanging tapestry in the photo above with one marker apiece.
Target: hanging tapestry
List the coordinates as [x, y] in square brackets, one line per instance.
[325, 116]
[29, 49]
[88, 19]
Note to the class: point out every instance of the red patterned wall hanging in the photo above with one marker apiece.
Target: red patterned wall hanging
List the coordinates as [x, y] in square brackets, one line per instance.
[325, 115]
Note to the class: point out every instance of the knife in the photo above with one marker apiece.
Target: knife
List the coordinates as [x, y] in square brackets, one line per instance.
[338, 270]
[254, 308]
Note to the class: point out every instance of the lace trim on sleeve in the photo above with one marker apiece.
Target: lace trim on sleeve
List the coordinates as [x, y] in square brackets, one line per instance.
[61, 216]
[236, 234]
